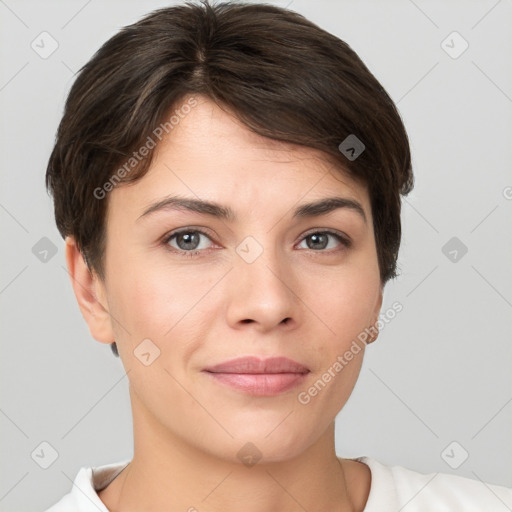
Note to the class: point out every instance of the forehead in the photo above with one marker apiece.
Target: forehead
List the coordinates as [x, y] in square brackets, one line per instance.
[210, 154]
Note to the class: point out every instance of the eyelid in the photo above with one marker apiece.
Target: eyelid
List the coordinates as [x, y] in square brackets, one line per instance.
[345, 240]
[188, 229]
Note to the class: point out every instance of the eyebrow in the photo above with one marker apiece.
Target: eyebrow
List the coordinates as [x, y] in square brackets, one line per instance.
[314, 209]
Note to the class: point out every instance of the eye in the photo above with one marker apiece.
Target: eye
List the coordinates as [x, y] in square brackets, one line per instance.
[187, 240]
[319, 240]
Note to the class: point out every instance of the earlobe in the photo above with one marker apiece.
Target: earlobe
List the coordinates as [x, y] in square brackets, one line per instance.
[90, 294]
[373, 328]
[378, 305]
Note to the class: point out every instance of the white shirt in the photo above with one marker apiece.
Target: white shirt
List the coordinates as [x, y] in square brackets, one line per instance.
[393, 489]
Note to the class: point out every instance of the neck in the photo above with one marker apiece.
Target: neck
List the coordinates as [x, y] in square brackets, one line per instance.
[167, 473]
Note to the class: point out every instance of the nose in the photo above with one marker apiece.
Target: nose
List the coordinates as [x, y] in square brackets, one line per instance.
[263, 293]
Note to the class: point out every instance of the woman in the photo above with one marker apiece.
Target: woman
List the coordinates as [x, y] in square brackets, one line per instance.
[228, 181]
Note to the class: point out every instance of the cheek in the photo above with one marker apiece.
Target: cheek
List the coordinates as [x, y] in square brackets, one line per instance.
[156, 301]
[141, 289]
[346, 305]
[144, 305]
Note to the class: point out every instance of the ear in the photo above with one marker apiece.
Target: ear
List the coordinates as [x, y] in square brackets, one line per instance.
[90, 293]
[378, 305]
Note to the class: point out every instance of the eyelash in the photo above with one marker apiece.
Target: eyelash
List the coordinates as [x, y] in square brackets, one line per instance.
[347, 243]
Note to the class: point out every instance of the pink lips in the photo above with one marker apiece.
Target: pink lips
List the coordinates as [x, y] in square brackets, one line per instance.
[252, 375]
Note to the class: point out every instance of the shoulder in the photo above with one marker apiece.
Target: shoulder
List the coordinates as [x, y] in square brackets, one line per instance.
[82, 486]
[83, 496]
[419, 492]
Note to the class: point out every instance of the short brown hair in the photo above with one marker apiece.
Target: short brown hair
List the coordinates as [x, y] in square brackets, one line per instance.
[281, 75]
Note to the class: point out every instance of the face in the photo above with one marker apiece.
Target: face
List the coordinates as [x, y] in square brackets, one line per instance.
[186, 290]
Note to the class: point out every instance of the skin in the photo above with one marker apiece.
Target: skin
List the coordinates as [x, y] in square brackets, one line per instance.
[214, 306]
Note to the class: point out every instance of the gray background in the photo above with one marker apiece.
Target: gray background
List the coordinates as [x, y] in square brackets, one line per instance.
[440, 371]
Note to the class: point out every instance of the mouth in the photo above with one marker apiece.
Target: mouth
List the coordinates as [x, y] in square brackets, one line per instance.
[251, 375]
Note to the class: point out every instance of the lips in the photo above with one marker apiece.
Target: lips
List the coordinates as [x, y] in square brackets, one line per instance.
[254, 365]
[259, 377]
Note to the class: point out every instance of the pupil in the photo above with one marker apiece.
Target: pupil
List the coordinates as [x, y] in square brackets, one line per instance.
[316, 240]
[317, 237]
[187, 237]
